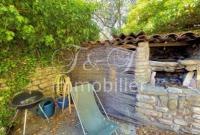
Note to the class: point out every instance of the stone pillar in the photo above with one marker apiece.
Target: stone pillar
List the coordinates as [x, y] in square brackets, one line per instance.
[142, 66]
[198, 76]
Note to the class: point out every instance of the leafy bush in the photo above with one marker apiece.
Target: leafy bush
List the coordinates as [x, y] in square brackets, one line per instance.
[6, 111]
[30, 31]
[156, 16]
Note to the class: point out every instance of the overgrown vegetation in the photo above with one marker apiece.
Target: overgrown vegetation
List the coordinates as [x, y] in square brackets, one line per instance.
[30, 31]
[157, 16]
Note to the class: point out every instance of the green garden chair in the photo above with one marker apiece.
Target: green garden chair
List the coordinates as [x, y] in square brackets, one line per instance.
[91, 119]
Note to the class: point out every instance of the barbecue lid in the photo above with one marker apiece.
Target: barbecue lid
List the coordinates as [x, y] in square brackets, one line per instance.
[27, 98]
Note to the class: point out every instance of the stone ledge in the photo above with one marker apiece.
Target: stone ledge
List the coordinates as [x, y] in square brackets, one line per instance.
[148, 89]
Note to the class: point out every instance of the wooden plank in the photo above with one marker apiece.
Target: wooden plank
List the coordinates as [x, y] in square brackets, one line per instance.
[163, 64]
[120, 99]
[129, 46]
[170, 44]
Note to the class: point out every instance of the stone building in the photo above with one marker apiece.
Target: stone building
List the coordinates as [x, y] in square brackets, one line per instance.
[152, 80]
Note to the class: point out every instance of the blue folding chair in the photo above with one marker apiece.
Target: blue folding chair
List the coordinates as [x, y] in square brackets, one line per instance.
[91, 119]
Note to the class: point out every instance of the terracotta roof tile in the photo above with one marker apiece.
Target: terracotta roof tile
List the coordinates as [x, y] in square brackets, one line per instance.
[163, 39]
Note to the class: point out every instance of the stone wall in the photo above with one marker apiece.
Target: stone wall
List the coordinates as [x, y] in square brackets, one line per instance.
[174, 108]
[177, 109]
[43, 78]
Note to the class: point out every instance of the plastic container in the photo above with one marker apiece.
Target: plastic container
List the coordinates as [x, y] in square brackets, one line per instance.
[60, 102]
[46, 106]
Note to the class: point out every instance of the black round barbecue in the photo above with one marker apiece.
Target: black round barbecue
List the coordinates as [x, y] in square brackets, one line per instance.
[27, 99]
[24, 101]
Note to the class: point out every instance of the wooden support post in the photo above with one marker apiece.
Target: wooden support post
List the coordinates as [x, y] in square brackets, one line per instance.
[198, 76]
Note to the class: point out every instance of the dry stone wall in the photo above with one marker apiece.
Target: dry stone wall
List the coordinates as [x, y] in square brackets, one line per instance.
[43, 78]
[177, 109]
[174, 108]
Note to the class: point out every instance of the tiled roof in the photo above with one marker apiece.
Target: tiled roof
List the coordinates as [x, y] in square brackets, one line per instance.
[156, 40]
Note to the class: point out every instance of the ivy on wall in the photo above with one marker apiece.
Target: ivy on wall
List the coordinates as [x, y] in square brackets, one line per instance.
[30, 31]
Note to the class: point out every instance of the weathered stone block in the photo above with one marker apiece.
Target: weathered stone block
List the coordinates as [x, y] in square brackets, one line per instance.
[185, 130]
[184, 112]
[196, 110]
[140, 62]
[154, 90]
[174, 90]
[167, 116]
[165, 121]
[195, 131]
[149, 112]
[172, 104]
[141, 116]
[44, 85]
[196, 116]
[194, 100]
[196, 121]
[163, 100]
[33, 87]
[191, 68]
[196, 125]
[144, 105]
[36, 82]
[146, 99]
[161, 109]
[181, 103]
[181, 122]
[175, 127]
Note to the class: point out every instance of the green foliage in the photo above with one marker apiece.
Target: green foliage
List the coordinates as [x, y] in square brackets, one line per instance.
[6, 110]
[54, 23]
[156, 16]
[30, 31]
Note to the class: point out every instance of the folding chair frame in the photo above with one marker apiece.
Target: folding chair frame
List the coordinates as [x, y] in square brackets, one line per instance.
[84, 132]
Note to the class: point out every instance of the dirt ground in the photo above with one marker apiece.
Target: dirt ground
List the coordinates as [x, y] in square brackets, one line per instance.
[150, 130]
[63, 123]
